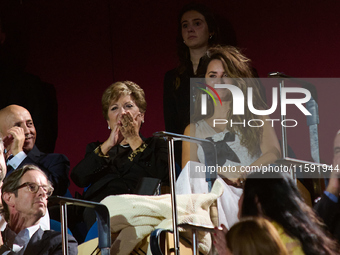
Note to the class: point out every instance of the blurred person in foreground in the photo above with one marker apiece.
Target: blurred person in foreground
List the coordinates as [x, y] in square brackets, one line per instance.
[275, 197]
[254, 236]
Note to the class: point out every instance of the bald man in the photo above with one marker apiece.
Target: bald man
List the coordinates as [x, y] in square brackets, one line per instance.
[328, 207]
[18, 134]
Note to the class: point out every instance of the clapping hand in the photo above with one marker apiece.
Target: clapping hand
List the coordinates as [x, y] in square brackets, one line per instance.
[129, 126]
[14, 141]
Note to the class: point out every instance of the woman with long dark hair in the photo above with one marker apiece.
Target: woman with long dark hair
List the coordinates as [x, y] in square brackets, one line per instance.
[276, 197]
[238, 145]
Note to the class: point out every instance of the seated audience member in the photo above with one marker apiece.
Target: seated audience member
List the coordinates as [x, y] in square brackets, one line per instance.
[24, 199]
[117, 165]
[18, 133]
[254, 236]
[44, 222]
[237, 145]
[328, 208]
[276, 197]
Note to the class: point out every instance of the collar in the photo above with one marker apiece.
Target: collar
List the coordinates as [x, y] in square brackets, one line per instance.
[17, 242]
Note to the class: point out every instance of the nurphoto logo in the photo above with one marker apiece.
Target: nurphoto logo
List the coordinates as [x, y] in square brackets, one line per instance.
[238, 103]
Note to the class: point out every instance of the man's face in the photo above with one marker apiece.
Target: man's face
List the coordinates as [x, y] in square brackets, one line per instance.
[20, 117]
[27, 204]
[336, 157]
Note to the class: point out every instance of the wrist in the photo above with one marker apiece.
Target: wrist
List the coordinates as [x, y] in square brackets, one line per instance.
[134, 142]
[15, 152]
[105, 147]
[333, 191]
[100, 153]
[140, 149]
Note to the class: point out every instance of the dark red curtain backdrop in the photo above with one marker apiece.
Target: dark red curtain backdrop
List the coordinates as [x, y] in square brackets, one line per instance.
[82, 46]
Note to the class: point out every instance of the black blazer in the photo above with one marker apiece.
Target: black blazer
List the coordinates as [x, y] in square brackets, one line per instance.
[117, 174]
[56, 167]
[330, 214]
[47, 242]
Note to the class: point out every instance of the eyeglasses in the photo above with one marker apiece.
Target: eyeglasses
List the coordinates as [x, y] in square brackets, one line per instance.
[33, 187]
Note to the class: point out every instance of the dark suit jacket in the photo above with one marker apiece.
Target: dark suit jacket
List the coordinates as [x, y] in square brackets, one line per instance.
[330, 214]
[49, 242]
[56, 167]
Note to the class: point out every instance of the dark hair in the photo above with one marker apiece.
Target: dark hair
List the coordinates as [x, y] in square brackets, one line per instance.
[11, 183]
[183, 50]
[238, 68]
[280, 201]
[123, 88]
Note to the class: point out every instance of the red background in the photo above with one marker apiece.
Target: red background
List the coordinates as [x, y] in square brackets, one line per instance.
[82, 46]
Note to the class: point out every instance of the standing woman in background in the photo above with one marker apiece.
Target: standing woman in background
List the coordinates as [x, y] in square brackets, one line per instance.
[197, 31]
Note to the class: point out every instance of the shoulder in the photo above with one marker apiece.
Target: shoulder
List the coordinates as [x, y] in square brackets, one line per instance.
[46, 159]
[293, 245]
[93, 145]
[169, 79]
[155, 141]
[55, 238]
[55, 158]
[54, 234]
[190, 130]
[171, 73]
[49, 242]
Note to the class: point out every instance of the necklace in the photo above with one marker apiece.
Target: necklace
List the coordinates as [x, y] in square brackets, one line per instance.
[125, 145]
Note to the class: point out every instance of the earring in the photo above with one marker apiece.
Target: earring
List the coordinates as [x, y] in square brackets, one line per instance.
[142, 121]
[210, 36]
[183, 41]
[108, 127]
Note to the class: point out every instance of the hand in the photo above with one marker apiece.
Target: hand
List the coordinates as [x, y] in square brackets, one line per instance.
[220, 242]
[234, 176]
[115, 137]
[334, 183]
[129, 127]
[14, 142]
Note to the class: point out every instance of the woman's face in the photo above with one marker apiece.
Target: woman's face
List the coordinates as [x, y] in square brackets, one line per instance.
[125, 104]
[217, 75]
[195, 31]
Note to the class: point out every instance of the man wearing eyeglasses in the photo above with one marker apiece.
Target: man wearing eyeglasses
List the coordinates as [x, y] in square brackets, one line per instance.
[24, 198]
[19, 135]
